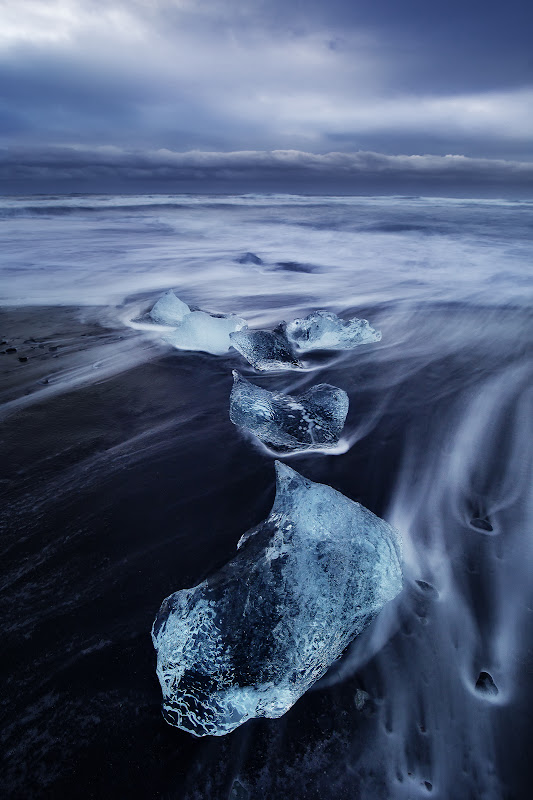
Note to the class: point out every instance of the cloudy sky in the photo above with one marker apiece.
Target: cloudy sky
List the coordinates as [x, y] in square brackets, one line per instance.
[355, 95]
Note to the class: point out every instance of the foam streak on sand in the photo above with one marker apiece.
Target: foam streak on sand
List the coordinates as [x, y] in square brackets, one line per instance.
[83, 353]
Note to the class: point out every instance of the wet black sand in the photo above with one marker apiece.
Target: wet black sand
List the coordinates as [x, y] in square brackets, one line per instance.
[125, 488]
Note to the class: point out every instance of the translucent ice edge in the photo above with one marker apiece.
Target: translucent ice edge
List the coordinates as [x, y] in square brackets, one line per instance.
[252, 638]
[324, 330]
[185, 329]
[342, 446]
[310, 421]
[266, 350]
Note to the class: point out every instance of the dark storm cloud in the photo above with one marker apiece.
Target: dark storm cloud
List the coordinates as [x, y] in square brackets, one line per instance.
[286, 170]
[460, 45]
[230, 75]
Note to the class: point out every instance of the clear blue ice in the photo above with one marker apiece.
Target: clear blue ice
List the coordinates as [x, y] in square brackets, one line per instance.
[202, 331]
[323, 330]
[252, 638]
[265, 350]
[312, 420]
[169, 309]
[194, 330]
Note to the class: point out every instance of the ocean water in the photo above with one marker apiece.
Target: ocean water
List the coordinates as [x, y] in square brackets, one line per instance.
[124, 480]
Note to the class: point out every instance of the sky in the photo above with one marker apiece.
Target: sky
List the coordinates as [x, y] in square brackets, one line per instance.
[354, 96]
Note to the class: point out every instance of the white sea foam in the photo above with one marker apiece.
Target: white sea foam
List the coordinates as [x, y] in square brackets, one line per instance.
[101, 250]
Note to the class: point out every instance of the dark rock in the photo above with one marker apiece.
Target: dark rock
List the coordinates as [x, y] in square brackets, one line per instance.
[482, 524]
[485, 684]
[426, 587]
[238, 791]
[249, 258]
[294, 266]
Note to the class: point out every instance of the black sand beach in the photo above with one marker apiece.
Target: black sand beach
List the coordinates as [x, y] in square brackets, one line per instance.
[122, 480]
[118, 491]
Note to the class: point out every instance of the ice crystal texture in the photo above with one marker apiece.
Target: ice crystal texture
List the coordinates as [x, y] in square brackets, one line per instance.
[202, 331]
[169, 309]
[252, 638]
[323, 330]
[265, 350]
[312, 420]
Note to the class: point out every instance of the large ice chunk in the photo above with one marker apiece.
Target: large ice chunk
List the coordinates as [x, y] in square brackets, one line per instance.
[313, 420]
[323, 330]
[202, 331]
[253, 637]
[265, 350]
[169, 309]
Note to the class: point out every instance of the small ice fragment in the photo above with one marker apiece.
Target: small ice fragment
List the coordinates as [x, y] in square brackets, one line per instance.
[360, 699]
[323, 330]
[201, 331]
[252, 638]
[265, 350]
[314, 419]
[169, 309]
[249, 258]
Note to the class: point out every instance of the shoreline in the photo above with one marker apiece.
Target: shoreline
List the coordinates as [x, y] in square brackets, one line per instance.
[48, 350]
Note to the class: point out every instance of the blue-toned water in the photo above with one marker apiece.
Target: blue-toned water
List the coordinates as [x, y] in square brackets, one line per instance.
[124, 480]
[101, 249]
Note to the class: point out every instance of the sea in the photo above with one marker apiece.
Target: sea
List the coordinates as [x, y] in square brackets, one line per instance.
[124, 480]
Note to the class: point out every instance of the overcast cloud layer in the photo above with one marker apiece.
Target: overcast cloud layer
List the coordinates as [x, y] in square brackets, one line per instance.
[134, 84]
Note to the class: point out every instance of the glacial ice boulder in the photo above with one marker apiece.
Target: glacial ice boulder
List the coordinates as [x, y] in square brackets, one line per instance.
[312, 420]
[252, 638]
[265, 350]
[323, 330]
[202, 331]
[169, 309]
